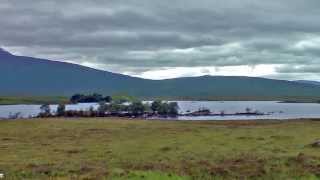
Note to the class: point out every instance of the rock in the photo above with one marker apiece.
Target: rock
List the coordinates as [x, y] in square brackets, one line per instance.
[315, 144]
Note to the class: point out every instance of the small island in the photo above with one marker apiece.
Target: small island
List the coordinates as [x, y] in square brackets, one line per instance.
[130, 107]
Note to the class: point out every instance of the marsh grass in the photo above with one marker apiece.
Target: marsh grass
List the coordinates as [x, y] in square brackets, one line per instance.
[113, 148]
[11, 100]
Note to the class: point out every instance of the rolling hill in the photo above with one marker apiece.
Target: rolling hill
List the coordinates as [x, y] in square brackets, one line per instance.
[316, 83]
[29, 76]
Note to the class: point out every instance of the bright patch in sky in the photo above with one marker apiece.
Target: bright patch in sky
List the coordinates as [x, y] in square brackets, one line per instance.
[244, 70]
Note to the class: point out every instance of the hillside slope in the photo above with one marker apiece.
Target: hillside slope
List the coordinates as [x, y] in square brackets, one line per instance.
[316, 83]
[31, 76]
[21, 75]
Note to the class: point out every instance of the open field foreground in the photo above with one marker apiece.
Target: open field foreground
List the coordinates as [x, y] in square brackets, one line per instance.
[139, 149]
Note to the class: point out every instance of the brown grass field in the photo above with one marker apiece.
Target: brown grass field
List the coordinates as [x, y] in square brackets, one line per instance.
[113, 148]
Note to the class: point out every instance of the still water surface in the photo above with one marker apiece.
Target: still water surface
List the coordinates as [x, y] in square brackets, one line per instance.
[274, 109]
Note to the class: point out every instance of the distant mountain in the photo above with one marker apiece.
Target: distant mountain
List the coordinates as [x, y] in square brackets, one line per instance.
[21, 75]
[317, 83]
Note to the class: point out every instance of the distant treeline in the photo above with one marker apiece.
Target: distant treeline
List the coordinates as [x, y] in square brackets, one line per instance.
[81, 98]
[120, 106]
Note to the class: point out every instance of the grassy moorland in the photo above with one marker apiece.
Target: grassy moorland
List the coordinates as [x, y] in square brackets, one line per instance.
[10, 100]
[109, 148]
[289, 99]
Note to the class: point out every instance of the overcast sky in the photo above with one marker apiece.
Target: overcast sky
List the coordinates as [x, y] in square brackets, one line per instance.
[170, 38]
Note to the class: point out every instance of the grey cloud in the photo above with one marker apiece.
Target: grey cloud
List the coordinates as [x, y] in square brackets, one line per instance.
[134, 36]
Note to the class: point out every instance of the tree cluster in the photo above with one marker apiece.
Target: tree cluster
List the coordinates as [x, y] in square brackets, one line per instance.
[45, 111]
[165, 108]
[81, 98]
[132, 109]
[136, 108]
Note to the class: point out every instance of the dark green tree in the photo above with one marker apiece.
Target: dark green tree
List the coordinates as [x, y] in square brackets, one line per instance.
[116, 108]
[137, 108]
[163, 109]
[45, 110]
[173, 109]
[61, 110]
[107, 99]
[76, 98]
[156, 105]
[103, 107]
[80, 98]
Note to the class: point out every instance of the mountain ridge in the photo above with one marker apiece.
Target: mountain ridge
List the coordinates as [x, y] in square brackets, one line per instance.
[20, 75]
[316, 83]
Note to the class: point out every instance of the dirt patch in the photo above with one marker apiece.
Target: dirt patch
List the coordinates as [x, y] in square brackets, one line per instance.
[95, 171]
[278, 137]
[73, 151]
[97, 130]
[7, 139]
[165, 149]
[315, 144]
[44, 144]
[260, 139]
[278, 150]
[243, 167]
[177, 130]
[244, 123]
[307, 163]
[69, 151]
[157, 166]
[47, 169]
[168, 148]
[239, 168]
[4, 147]
[245, 138]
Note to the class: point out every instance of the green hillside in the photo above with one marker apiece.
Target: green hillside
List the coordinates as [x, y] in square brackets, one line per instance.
[26, 76]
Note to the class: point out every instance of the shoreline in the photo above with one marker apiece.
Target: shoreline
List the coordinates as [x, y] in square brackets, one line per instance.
[262, 121]
[32, 100]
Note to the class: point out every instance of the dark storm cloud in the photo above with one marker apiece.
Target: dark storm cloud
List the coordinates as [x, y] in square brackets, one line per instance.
[136, 36]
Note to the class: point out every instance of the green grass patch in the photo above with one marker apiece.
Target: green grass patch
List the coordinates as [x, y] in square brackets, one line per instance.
[113, 148]
[9, 100]
[289, 99]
